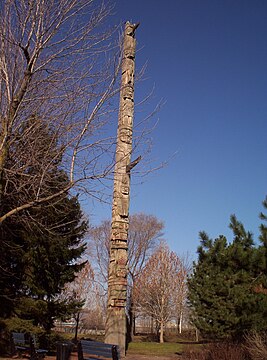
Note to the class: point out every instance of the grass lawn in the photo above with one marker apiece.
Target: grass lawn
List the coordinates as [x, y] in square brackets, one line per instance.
[154, 348]
[142, 345]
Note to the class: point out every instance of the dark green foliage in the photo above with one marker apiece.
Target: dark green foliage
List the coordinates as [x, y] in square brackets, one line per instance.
[263, 231]
[11, 255]
[40, 261]
[226, 288]
[53, 246]
[42, 246]
[51, 261]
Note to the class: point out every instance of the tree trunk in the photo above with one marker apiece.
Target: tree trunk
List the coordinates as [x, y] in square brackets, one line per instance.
[134, 325]
[131, 328]
[115, 332]
[161, 335]
[197, 337]
[3, 158]
[151, 325]
[180, 322]
[77, 327]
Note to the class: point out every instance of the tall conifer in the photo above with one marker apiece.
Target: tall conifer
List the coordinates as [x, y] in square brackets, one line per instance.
[41, 248]
[226, 288]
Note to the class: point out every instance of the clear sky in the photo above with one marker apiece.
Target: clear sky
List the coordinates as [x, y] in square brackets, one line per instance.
[208, 61]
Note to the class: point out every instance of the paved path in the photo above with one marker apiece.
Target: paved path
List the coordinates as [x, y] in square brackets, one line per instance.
[128, 357]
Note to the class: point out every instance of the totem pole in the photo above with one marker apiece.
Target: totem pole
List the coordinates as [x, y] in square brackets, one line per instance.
[117, 279]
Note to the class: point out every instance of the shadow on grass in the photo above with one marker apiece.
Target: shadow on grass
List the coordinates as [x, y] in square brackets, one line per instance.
[188, 342]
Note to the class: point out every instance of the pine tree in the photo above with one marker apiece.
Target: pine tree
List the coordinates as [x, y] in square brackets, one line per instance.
[51, 261]
[262, 261]
[223, 286]
[41, 248]
[263, 227]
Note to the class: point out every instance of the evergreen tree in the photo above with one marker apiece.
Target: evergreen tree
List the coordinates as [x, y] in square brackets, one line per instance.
[263, 227]
[262, 287]
[223, 286]
[41, 248]
[51, 261]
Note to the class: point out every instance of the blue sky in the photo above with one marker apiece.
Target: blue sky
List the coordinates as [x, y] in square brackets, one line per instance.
[207, 60]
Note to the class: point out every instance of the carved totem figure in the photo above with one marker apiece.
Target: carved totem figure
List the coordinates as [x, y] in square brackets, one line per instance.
[117, 280]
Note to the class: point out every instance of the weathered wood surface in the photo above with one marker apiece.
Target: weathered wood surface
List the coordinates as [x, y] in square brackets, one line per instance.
[117, 281]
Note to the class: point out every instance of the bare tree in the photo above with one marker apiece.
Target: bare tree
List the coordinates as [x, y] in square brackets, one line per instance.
[85, 291]
[56, 72]
[144, 234]
[156, 288]
[78, 291]
[94, 312]
[98, 251]
[181, 291]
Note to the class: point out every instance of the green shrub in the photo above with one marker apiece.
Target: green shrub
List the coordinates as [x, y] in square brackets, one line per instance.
[20, 325]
